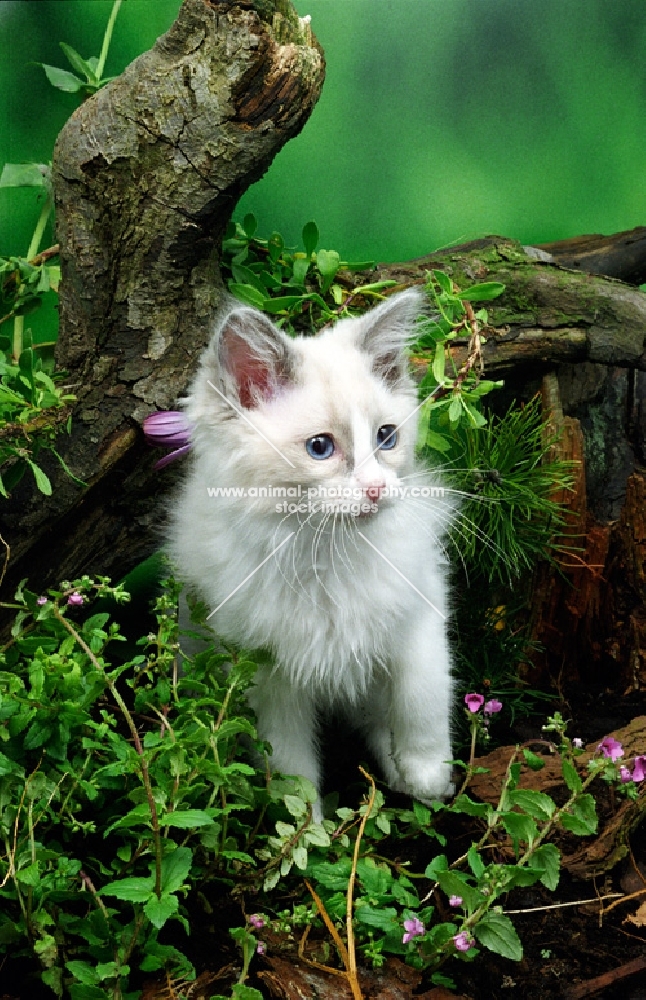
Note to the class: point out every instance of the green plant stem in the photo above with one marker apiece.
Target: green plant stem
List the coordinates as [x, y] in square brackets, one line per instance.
[352, 958]
[145, 776]
[19, 321]
[107, 38]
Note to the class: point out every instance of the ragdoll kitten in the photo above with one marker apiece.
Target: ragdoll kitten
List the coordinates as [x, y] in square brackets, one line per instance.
[347, 589]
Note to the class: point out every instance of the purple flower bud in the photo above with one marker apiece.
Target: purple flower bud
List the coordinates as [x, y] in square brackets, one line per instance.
[75, 599]
[492, 706]
[577, 743]
[455, 900]
[261, 947]
[474, 702]
[168, 429]
[463, 941]
[41, 601]
[638, 771]
[625, 775]
[413, 928]
[256, 921]
[611, 748]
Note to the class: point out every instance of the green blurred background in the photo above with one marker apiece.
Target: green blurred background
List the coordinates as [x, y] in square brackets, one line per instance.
[440, 120]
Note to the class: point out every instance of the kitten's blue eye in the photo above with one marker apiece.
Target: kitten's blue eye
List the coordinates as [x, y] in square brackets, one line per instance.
[320, 447]
[387, 437]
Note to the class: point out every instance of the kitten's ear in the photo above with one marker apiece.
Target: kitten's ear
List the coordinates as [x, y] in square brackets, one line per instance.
[255, 358]
[386, 330]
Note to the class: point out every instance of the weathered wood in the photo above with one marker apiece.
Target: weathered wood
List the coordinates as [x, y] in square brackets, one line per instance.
[146, 175]
[622, 255]
[547, 315]
[586, 856]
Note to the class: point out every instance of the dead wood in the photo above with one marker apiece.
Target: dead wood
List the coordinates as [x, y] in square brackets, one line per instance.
[583, 857]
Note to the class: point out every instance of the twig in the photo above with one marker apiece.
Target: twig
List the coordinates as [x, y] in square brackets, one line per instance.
[352, 969]
[606, 979]
[576, 902]
[88, 883]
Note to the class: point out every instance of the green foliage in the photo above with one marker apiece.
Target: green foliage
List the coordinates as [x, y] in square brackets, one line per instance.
[301, 290]
[131, 784]
[90, 71]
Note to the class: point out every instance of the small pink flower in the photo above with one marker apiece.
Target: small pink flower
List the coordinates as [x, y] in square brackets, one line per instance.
[41, 601]
[611, 748]
[261, 947]
[75, 599]
[638, 771]
[256, 921]
[577, 743]
[463, 941]
[455, 900]
[474, 702]
[413, 928]
[492, 706]
[625, 775]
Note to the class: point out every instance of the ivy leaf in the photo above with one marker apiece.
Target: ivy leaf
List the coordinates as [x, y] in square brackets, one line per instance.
[497, 933]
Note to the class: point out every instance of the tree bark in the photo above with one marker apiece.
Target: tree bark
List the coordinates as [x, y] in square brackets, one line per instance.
[146, 175]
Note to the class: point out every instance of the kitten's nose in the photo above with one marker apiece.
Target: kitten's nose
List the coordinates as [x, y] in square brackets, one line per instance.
[373, 490]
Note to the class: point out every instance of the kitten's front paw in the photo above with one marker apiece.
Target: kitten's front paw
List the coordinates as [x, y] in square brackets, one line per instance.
[424, 777]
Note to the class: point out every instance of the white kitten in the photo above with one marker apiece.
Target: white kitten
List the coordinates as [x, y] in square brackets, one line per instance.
[352, 608]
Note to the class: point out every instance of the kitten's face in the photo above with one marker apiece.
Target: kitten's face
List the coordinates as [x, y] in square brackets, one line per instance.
[332, 415]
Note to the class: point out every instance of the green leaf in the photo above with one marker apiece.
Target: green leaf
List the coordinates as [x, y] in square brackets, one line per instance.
[455, 409]
[437, 441]
[24, 175]
[275, 246]
[582, 816]
[186, 819]
[242, 992]
[78, 63]
[438, 864]
[497, 933]
[295, 806]
[299, 854]
[571, 776]
[533, 760]
[135, 890]
[250, 224]
[299, 271]
[244, 276]
[159, 910]
[463, 804]
[282, 303]
[62, 79]
[316, 836]
[438, 363]
[175, 868]
[271, 880]
[310, 237]
[475, 861]
[519, 827]
[443, 281]
[333, 876]
[80, 992]
[247, 294]
[455, 884]
[383, 917]
[537, 804]
[482, 293]
[328, 264]
[548, 858]
[84, 972]
[42, 481]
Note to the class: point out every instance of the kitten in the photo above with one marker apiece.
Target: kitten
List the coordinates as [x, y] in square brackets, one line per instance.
[348, 593]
